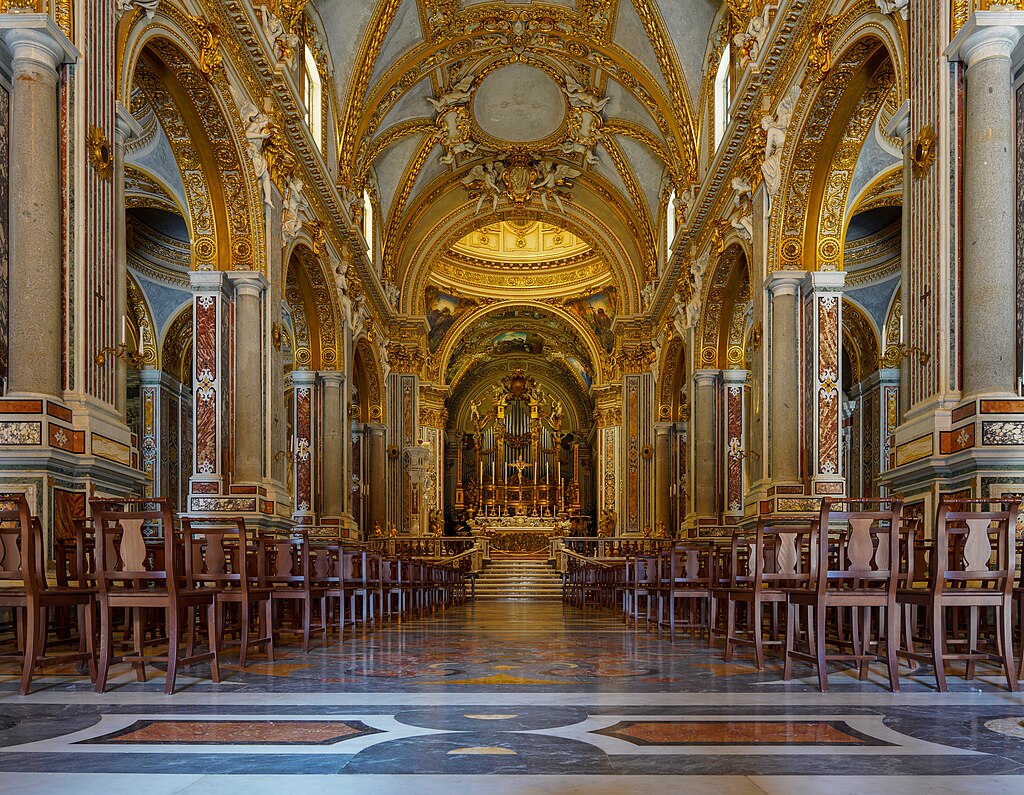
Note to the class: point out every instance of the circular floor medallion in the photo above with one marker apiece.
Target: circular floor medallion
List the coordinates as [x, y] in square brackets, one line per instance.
[519, 103]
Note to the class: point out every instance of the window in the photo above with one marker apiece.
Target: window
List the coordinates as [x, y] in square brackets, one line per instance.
[313, 98]
[723, 98]
[670, 221]
[368, 223]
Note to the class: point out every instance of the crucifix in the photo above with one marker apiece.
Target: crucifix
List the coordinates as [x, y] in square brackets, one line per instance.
[519, 466]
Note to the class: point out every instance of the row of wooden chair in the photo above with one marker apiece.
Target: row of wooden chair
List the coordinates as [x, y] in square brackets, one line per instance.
[857, 584]
[162, 582]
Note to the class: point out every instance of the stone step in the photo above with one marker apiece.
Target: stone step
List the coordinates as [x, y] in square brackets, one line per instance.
[519, 579]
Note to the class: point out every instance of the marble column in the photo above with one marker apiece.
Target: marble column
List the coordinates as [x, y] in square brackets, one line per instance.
[125, 128]
[249, 387]
[663, 477]
[335, 484]
[705, 432]
[989, 268]
[303, 445]
[784, 371]
[38, 48]
[377, 466]
[823, 310]
[734, 422]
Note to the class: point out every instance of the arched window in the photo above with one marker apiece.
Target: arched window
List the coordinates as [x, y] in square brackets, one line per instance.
[368, 224]
[313, 98]
[723, 95]
[670, 222]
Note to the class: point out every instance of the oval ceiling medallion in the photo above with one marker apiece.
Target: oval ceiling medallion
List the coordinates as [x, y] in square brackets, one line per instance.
[519, 104]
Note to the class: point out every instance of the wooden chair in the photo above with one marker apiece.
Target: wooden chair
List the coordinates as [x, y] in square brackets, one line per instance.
[765, 565]
[857, 569]
[973, 566]
[285, 565]
[130, 577]
[684, 579]
[221, 553]
[24, 589]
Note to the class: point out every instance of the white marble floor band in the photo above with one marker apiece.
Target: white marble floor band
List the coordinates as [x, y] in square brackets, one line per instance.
[341, 698]
[175, 784]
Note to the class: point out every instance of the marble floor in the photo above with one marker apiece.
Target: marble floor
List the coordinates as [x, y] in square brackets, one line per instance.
[509, 697]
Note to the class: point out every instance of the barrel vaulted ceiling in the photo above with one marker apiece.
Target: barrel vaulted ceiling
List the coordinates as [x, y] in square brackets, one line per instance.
[568, 120]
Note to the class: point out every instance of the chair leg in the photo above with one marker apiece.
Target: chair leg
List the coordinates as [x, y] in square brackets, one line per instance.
[138, 627]
[819, 621]
[787, 671]
[106, 641]
[755, 617]
[730, 629]
[173, 644]
[243, 642]
[307, 619]
[211, 639]
[892, 639]
[1005, 617]
[972, 641]
[267, 626]
[938, 634]
[32, 645]
[87, 631]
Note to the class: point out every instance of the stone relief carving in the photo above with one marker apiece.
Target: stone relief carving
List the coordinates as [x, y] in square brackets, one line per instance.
[775, 136]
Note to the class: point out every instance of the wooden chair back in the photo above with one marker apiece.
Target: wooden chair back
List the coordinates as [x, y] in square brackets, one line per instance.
[975, 545]
[123, 557]
[285, 561]
[857, 544]
[219, 552]
[20, 544]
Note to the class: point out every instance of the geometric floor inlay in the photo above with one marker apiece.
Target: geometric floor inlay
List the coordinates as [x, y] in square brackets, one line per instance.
[235, 732]
[762, 732]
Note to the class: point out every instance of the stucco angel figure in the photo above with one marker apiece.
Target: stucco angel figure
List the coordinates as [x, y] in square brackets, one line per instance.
[258, 130]
[775, 129]
[435, 520]
[579, 97]
[750, 41]
[458, 94]
[679, 316]
[149, 6]
[474, 412]
[553, 176]
[484, 177]
[292, 223]
[647, 294]
[902, 7]
[285, 42]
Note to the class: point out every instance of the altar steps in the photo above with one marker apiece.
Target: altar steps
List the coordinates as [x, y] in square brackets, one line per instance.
[519, 579]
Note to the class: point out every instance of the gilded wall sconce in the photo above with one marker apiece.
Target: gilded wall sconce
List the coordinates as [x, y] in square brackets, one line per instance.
[922, 153]
[101, 153]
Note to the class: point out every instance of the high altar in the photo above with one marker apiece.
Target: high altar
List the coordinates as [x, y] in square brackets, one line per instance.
[518, 471]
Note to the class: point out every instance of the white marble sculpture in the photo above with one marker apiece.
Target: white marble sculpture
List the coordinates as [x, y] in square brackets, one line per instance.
[149, 6]
[458, 94]
[579, 97]
[295, 201]
[750, 41]
[257, 133]
[901, 7]
[775, 129]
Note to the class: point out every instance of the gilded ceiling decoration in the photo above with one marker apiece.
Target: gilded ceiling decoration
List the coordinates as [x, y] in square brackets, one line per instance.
[518, 243]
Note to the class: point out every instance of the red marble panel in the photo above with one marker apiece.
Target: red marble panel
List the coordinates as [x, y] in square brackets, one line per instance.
[237, 732]
[58, 411]
[205, 379]
[956, 440]
[828, 391]
[754, 732]
[66, 439]
[303, 445]
[734, 403]
[1002, 407]
[21, 407]
[67, 506]
[963, 412]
